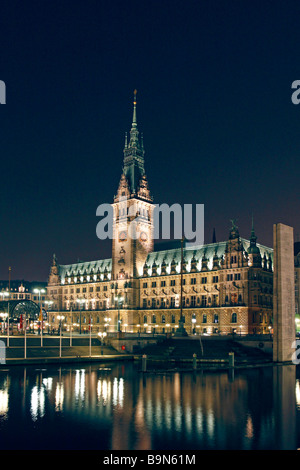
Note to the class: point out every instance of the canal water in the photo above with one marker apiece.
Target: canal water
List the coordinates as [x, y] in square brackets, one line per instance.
[116, 407]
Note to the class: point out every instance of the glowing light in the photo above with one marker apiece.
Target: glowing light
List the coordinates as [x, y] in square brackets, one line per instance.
[3, 402]
[37, 404]
[59, 397]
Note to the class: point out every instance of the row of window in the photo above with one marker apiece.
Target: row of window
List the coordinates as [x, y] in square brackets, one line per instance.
[186, 301]
[95, 305]
[193, 281]
[162, 318]
[234, 277]
[85, 289]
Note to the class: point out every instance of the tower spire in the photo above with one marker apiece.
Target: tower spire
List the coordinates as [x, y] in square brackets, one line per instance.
[253, 237]
[134, 123]
[134, 133]
[133, 167]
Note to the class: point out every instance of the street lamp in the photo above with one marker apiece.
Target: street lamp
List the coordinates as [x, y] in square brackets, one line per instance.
[102, 336]
[119, 299]
[107, 322]
[270, 328]
[193, 322]
[48, 303]
[40, 291]
[6, 294]
[60, 319]
[80, 302]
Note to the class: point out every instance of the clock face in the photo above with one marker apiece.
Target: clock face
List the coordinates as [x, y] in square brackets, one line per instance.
[122, 236]
[143, 237]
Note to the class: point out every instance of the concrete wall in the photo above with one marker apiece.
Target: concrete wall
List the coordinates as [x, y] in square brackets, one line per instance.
[284, 293]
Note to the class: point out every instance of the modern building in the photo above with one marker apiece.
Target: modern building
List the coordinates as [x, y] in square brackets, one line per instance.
[221, 287]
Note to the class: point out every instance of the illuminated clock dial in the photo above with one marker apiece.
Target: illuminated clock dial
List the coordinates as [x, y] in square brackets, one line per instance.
[143, 237]
[122, 236]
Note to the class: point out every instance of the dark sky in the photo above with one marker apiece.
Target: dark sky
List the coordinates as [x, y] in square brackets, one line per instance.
[214, 103]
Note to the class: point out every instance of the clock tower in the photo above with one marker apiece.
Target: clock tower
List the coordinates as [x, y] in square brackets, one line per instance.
[133, 217]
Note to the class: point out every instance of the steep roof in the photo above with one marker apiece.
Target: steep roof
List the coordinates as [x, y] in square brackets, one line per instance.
[209, 250]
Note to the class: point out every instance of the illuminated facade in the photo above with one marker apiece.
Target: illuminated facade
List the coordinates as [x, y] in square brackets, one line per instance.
[226, 286]
[23, 290]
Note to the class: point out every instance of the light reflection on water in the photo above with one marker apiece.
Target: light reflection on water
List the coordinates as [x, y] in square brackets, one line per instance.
[117, 407]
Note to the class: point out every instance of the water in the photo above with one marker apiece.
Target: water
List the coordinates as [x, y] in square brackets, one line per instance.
[115, 407]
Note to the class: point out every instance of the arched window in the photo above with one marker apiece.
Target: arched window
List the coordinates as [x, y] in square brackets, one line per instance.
[163, 319]
[234, 318]
[153, 318]
[204, 318]
[145, 319]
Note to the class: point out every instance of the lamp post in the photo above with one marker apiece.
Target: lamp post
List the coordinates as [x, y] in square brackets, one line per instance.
[40, 291]
[60, 318]
[194, 324]
[25, 337]
[9, 272]
[107, 323]
[270, 328]
[90, 328]
[119, 299]
[4, 315]
[181, 330]
[80, 302]
[102, 336]
[48, 303]
[71, 324]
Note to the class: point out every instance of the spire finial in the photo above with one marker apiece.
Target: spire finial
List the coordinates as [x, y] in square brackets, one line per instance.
[134, 109]
[253, 237]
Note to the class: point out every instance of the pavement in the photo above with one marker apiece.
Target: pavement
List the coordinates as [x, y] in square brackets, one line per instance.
[49, 349]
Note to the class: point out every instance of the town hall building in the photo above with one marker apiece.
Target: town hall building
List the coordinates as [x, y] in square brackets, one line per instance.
[218, 288]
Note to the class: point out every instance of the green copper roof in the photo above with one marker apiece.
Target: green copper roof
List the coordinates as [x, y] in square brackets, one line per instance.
[198, 252]
[89, 268]
[158, 257]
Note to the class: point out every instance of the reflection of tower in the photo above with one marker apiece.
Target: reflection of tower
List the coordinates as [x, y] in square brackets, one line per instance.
[130, 418]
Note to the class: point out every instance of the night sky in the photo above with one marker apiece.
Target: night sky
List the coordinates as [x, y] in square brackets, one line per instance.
[214, 104]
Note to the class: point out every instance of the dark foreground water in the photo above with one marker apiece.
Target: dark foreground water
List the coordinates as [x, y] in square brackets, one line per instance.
[115, 407]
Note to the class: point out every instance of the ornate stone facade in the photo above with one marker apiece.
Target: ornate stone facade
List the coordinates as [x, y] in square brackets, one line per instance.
[227, 286]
